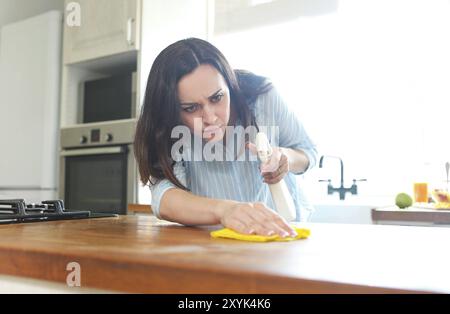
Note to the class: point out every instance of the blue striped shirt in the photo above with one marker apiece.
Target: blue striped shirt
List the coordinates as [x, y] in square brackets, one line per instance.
[241, 180]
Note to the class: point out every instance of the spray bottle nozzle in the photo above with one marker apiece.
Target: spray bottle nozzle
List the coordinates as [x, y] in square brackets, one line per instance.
[263, 147]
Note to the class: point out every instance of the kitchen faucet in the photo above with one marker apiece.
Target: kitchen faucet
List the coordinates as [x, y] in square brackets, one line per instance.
[341, 190]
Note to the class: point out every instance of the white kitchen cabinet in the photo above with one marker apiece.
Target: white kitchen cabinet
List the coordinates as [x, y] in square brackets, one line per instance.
[108, 27]
[30, 67]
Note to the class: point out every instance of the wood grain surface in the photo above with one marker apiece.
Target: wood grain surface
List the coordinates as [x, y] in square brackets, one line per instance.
[142, 254]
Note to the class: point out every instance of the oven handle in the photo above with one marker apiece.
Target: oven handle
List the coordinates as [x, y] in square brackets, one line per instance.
[93, 151]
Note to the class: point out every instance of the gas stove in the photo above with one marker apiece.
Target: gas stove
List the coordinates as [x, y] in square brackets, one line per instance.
[18, 211]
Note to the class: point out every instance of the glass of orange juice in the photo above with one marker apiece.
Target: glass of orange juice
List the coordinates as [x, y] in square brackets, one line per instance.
[421, 192]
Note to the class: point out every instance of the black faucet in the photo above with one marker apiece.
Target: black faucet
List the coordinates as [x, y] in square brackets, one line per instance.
[341, 190]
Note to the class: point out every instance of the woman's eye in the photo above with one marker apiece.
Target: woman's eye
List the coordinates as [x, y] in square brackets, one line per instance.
[190, 109]
[217, 98]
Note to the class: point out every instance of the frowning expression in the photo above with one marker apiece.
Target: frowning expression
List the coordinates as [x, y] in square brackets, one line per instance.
[205, 102]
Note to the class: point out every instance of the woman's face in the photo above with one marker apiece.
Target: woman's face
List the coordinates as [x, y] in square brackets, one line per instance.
[205, 102]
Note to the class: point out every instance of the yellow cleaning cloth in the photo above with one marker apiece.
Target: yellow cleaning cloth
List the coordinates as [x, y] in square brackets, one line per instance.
[231, 234]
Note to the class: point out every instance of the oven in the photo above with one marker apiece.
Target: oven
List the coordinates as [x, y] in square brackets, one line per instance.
[97, 167]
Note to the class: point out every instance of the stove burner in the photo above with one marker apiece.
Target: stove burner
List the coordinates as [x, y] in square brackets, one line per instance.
[17, 211]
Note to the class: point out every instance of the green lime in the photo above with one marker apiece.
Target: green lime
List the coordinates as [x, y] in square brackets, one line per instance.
[403, 200]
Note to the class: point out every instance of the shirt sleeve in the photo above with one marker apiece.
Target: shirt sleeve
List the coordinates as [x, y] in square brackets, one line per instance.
[162, 186]
[292, 134]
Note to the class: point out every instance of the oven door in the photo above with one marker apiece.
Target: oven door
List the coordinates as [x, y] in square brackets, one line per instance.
[102, 180]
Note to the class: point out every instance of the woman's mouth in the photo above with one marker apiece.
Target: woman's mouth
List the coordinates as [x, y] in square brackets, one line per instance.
[211, 130]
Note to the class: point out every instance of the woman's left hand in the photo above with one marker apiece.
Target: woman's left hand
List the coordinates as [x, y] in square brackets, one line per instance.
[274, 170]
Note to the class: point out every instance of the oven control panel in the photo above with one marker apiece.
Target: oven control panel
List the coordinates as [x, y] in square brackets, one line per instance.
[99, 134]
[95, 135]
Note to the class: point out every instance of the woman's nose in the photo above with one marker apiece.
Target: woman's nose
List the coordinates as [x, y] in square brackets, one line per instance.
[209, 115]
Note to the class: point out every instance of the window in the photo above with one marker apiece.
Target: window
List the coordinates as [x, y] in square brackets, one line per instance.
[370, 80]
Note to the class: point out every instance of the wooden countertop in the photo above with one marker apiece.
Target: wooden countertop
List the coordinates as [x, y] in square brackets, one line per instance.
[140, 254]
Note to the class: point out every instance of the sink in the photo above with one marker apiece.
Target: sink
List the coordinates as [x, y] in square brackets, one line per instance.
[342, 213]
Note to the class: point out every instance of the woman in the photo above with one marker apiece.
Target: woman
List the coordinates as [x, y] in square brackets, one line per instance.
[191, 84]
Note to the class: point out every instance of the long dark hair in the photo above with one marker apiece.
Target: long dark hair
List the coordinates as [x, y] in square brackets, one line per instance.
[161, 110]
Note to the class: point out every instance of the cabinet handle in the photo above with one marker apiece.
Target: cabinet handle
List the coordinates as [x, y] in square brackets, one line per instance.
[130, 31]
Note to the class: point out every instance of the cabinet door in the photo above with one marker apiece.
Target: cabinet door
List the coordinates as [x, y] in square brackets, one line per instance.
[107, 27]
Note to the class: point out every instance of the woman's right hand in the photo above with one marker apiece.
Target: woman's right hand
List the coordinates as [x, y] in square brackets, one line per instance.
[255, 218]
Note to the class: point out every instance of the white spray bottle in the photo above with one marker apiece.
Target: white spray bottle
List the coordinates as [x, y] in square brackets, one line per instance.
[281, 197]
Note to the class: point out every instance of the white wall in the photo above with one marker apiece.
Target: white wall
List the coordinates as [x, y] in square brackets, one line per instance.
[16, 10]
